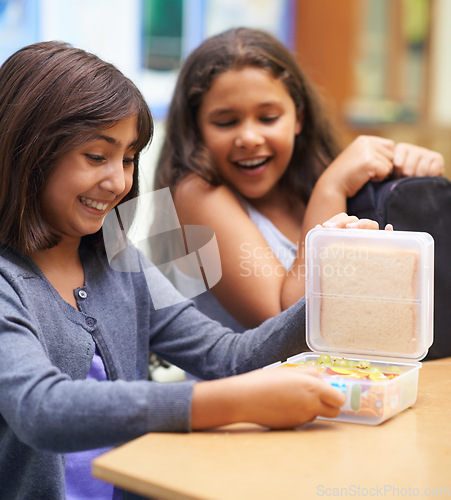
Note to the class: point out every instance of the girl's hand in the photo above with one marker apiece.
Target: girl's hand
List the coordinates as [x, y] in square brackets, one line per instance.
[370, 158]
[343, 220]
[366, 158]
[415, 161]
[276, 398]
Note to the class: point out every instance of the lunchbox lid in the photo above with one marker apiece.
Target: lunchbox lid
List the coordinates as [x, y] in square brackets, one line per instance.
[370, 292]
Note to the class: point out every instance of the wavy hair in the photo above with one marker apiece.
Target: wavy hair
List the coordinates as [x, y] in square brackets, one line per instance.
[183, 150]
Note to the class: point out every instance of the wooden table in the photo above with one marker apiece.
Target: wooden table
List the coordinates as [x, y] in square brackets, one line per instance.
[406, 456]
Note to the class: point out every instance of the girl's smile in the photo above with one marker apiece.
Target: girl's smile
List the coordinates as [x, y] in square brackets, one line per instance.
[87, 182]
[248, 122]
[96, 205]
[252, 166]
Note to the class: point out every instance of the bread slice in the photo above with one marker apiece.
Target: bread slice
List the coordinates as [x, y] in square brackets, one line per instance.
[368, 297]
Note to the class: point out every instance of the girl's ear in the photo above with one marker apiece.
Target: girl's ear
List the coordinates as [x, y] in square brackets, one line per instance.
[298, 127]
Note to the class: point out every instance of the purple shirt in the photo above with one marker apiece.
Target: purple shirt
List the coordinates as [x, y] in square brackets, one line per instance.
[80, 484]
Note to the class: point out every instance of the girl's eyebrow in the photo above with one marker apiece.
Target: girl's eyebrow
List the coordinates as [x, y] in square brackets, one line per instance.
[219, 112]
[112, 140]
[223, 111]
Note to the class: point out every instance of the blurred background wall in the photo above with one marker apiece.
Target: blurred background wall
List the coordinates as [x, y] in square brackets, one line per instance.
[383, 66]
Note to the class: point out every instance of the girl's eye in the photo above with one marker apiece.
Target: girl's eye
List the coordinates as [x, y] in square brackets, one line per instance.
[95, 158]
[226, 123]
[128, 161]
[269, 119]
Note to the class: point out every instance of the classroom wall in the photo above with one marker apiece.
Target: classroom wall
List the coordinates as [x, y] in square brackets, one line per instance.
[378, 57]
[441, 63]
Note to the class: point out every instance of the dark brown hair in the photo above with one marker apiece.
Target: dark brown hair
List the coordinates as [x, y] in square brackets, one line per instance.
[183, 150]
[52, 97]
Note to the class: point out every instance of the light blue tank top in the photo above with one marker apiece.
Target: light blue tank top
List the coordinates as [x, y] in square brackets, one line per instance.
[284, 249]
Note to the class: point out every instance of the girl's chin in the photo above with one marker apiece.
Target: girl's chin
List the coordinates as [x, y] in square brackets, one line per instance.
[253, 195]
[89, 231]
[254, 190]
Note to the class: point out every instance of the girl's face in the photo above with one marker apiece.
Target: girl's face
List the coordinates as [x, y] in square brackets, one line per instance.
[248, 122]
[87, 182]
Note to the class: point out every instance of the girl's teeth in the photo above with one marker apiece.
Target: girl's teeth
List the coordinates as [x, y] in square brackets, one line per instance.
[93, 204]
[252, 163]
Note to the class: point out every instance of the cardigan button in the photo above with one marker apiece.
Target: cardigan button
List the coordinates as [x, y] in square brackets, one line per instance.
[90, 321]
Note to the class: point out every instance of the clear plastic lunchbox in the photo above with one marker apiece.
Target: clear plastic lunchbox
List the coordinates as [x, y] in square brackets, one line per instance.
[369, 300]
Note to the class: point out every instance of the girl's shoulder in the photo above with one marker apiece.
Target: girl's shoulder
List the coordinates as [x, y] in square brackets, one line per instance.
[194, 185]
[14, 265]
[193, 195]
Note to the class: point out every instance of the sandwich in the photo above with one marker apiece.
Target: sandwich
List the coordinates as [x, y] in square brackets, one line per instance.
[368, 297]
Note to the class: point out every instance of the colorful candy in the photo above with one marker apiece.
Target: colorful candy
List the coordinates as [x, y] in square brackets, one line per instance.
[367, 396]
[344, 367]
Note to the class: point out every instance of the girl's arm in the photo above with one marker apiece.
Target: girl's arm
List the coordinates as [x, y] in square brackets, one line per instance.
[275, 398]
[254, 285]
[367, 158]
[252, 276]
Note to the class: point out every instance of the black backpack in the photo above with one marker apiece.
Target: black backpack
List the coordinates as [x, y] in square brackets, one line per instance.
[417, 204]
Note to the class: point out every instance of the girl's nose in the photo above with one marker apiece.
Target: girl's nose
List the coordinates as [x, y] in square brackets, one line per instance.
[114, 178]
[249, 137]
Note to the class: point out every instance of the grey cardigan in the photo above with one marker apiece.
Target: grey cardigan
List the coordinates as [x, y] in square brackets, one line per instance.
[49, 408]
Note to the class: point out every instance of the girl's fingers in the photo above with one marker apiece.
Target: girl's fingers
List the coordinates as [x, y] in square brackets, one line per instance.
[410, 165]
[363, 224]
[423, 167]
[340, 220]
[400, 155]
[437, 165]
[416, 161]
[331, 397]
[344, 220]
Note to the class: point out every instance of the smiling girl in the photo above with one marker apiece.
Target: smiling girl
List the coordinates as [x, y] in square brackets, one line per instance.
[246, 150]
[84, 185]
[75, 334]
